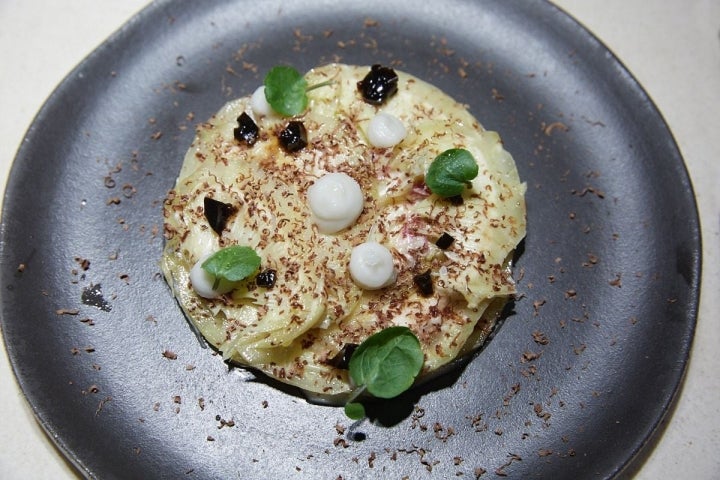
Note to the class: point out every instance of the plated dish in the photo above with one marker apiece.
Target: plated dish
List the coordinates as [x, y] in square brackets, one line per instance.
[389, 210]
[554, 393]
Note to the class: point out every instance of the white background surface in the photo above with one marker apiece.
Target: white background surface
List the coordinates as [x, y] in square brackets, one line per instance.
[671, 46]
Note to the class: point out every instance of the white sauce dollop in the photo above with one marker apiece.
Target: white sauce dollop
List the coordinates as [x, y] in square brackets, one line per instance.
[336, 201]
[259, 104]
[385, 131]
[371, 266]
[202, 282]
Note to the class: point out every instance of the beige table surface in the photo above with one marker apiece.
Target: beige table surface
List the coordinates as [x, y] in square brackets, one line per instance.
[671, 46]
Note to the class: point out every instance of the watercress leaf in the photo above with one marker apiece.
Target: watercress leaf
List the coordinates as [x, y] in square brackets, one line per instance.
[355, 411]
[285, 90]
[233, 263]
[387, 362]
[450, 172]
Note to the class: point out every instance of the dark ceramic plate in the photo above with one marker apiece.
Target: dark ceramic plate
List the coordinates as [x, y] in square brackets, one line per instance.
[572, 386]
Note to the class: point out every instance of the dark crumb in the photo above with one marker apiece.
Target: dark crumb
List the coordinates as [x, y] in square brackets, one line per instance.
[264, 404]
[442, 433]
[421, 452]
[177, 399]
[592, 260]
[370, 22]
[570, 293]
[514, 390]
[91, 389]
[479, 472]
[83, 262]
[617, 281]
[478, 424]
[540, 412]
[113, 201]
[549, 129]
[416, 416]
[598, 193]
[169, 355]
[210, 438]
[540, 338]
[500, 471]
[536, 306]
[67, 311]
[101, 405]
[371, 459]
[340, 442]
[128, 190]
[356, 436]
[225, 423]
[529, 356]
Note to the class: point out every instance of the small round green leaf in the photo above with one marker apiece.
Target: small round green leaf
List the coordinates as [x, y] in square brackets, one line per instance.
[285, 90]
[233, 263]
[355, 411]
[450, 172]
[387, 362]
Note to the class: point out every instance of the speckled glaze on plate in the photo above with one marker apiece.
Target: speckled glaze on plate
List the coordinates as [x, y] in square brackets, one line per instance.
[573, 384]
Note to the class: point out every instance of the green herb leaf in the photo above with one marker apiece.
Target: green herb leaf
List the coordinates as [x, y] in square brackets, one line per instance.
[355, 411]
[232, 263]
[450, 172]
[285, 90]
[387, 362]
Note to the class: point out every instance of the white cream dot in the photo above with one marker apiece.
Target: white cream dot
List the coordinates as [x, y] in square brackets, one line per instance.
[336, 202]
[385, 131]
[371, 266]
[259, 104]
